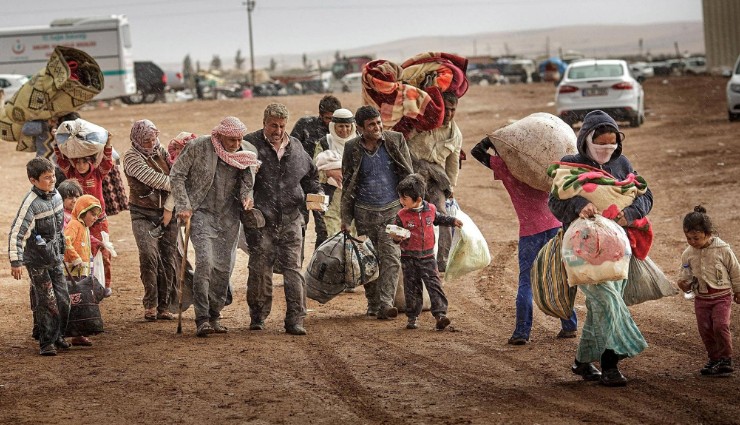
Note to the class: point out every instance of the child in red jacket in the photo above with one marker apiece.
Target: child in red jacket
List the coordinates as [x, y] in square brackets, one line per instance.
[418, 261]
[90, 176]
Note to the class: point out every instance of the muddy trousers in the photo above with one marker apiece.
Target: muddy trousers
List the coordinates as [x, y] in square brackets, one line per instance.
[51, 303]
[157, 267]
[418, 272]
[381, 292]
[269, 245]
[713, 320]
[529, 247]
[214, 238]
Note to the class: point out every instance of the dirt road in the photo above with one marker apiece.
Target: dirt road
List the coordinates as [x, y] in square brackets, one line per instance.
[353, 369]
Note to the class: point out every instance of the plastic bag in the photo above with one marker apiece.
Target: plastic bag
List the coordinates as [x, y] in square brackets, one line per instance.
[80, 138]
[595, 250]
[646, 282]
[97, 267]
[469, 249]
[341, 262]
[550, 289]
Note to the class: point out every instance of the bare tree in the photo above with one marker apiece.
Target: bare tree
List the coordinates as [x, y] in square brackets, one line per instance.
[216, 62]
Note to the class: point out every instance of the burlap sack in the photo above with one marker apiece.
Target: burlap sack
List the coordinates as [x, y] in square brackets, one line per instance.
[70, 79]
[530, 145]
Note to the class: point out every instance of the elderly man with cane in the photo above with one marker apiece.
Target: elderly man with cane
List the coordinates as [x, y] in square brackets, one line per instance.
[211, 182]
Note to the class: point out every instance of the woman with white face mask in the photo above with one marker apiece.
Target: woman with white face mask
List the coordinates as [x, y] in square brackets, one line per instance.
[609, 334]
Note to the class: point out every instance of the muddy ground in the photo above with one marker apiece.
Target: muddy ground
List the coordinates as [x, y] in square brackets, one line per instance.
[354, 369]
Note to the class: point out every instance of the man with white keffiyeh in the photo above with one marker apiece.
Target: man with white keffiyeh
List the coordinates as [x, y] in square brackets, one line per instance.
[211, 182]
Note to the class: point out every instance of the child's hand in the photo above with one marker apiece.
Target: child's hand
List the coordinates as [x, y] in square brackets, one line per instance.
[17, 273]
[685, 285]
[737, 298]
[108, 143]
[458, 223]
[397, 238]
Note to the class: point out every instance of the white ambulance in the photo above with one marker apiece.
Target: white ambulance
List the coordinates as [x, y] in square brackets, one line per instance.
[25, 50]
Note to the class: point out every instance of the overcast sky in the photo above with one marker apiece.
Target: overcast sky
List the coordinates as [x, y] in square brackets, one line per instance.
[167, 30]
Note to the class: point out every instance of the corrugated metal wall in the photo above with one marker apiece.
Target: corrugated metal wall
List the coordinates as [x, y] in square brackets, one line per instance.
[721, 32]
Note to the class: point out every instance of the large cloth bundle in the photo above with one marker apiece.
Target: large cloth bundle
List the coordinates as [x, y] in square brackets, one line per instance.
[646, 282]
[84, 313]
[80, 138]
[70, 79]
[409, 96]
[530, 145]
[341, 262]
[550, 289]
[595, 250]
[469, 249]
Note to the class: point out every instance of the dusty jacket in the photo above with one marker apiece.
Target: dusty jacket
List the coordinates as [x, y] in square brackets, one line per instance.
[714, 266]
[421, 225]
[41, 213]
[618, 166]
[148, 178]
[280, 185]
[192, 175]
[440, 146]
[397, 149]
[78, 250]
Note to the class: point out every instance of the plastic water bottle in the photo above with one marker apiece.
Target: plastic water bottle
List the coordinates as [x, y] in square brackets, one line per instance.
[40, 241]
[689, 295]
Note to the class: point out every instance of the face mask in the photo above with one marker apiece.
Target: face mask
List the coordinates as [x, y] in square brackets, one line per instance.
[599, 153]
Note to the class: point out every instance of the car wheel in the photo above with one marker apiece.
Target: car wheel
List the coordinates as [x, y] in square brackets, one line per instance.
[635, 121]
[134, 99]
[732, 116]
[151, 97]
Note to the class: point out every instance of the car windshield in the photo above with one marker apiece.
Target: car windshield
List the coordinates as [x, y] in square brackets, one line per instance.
[595, 71]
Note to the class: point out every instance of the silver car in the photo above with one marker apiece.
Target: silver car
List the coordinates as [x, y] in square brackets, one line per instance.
[9, 84]
[733, 93]
[608, 85]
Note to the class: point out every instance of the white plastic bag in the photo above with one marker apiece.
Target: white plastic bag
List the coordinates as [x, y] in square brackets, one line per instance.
[97, 268]
[469, 250]
[107, 244]
[595, 250]
[80, 138]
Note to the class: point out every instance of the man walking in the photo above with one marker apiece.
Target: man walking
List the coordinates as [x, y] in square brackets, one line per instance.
[372, 165]
[287, 173]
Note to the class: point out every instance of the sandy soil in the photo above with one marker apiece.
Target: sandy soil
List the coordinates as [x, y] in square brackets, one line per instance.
[353, 369]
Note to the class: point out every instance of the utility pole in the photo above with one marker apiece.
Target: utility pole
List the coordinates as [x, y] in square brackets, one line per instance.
[250, 8]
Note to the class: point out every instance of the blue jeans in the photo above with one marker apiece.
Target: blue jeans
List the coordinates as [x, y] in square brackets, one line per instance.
[529, 247]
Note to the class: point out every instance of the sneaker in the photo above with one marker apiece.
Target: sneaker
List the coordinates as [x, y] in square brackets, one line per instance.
[218, 328]
[48, 350]
[295, 330]
[517, 340]
[725, 366]
[412, 323]
[442, 322]
[62, 344]
[350, 290]
[587, 371]
[203, 330]
[612, 378]
[710, 368]
[165, 315]
[567, 334]
[387, 313]
[107, 293]
[257, 326]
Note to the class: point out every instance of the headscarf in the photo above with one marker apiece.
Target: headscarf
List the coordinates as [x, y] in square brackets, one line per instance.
[142, 130]
[232, 127]
[177, 144]
[341, 116]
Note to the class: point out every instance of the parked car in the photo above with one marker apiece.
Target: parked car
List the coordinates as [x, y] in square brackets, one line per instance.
[151, 83]
[694, 66]
[175, 81]
[641, 71]
[592, 84]
[733, 93]
[352, 82]
[9, 84]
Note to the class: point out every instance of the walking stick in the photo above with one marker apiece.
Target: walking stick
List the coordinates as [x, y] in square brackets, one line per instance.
[183, 267]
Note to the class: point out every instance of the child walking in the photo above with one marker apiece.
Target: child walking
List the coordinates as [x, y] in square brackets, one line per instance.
[78, 251]
[90, 177]
[712, 271]
[36, 241]
[418, 261]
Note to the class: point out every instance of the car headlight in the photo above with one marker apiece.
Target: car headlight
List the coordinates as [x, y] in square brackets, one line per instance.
[735, 87]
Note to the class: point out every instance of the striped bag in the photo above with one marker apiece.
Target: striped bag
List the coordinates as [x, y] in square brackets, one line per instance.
[550, 288]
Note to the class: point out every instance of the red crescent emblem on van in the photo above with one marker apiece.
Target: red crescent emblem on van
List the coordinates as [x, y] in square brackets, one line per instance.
[18, 48]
